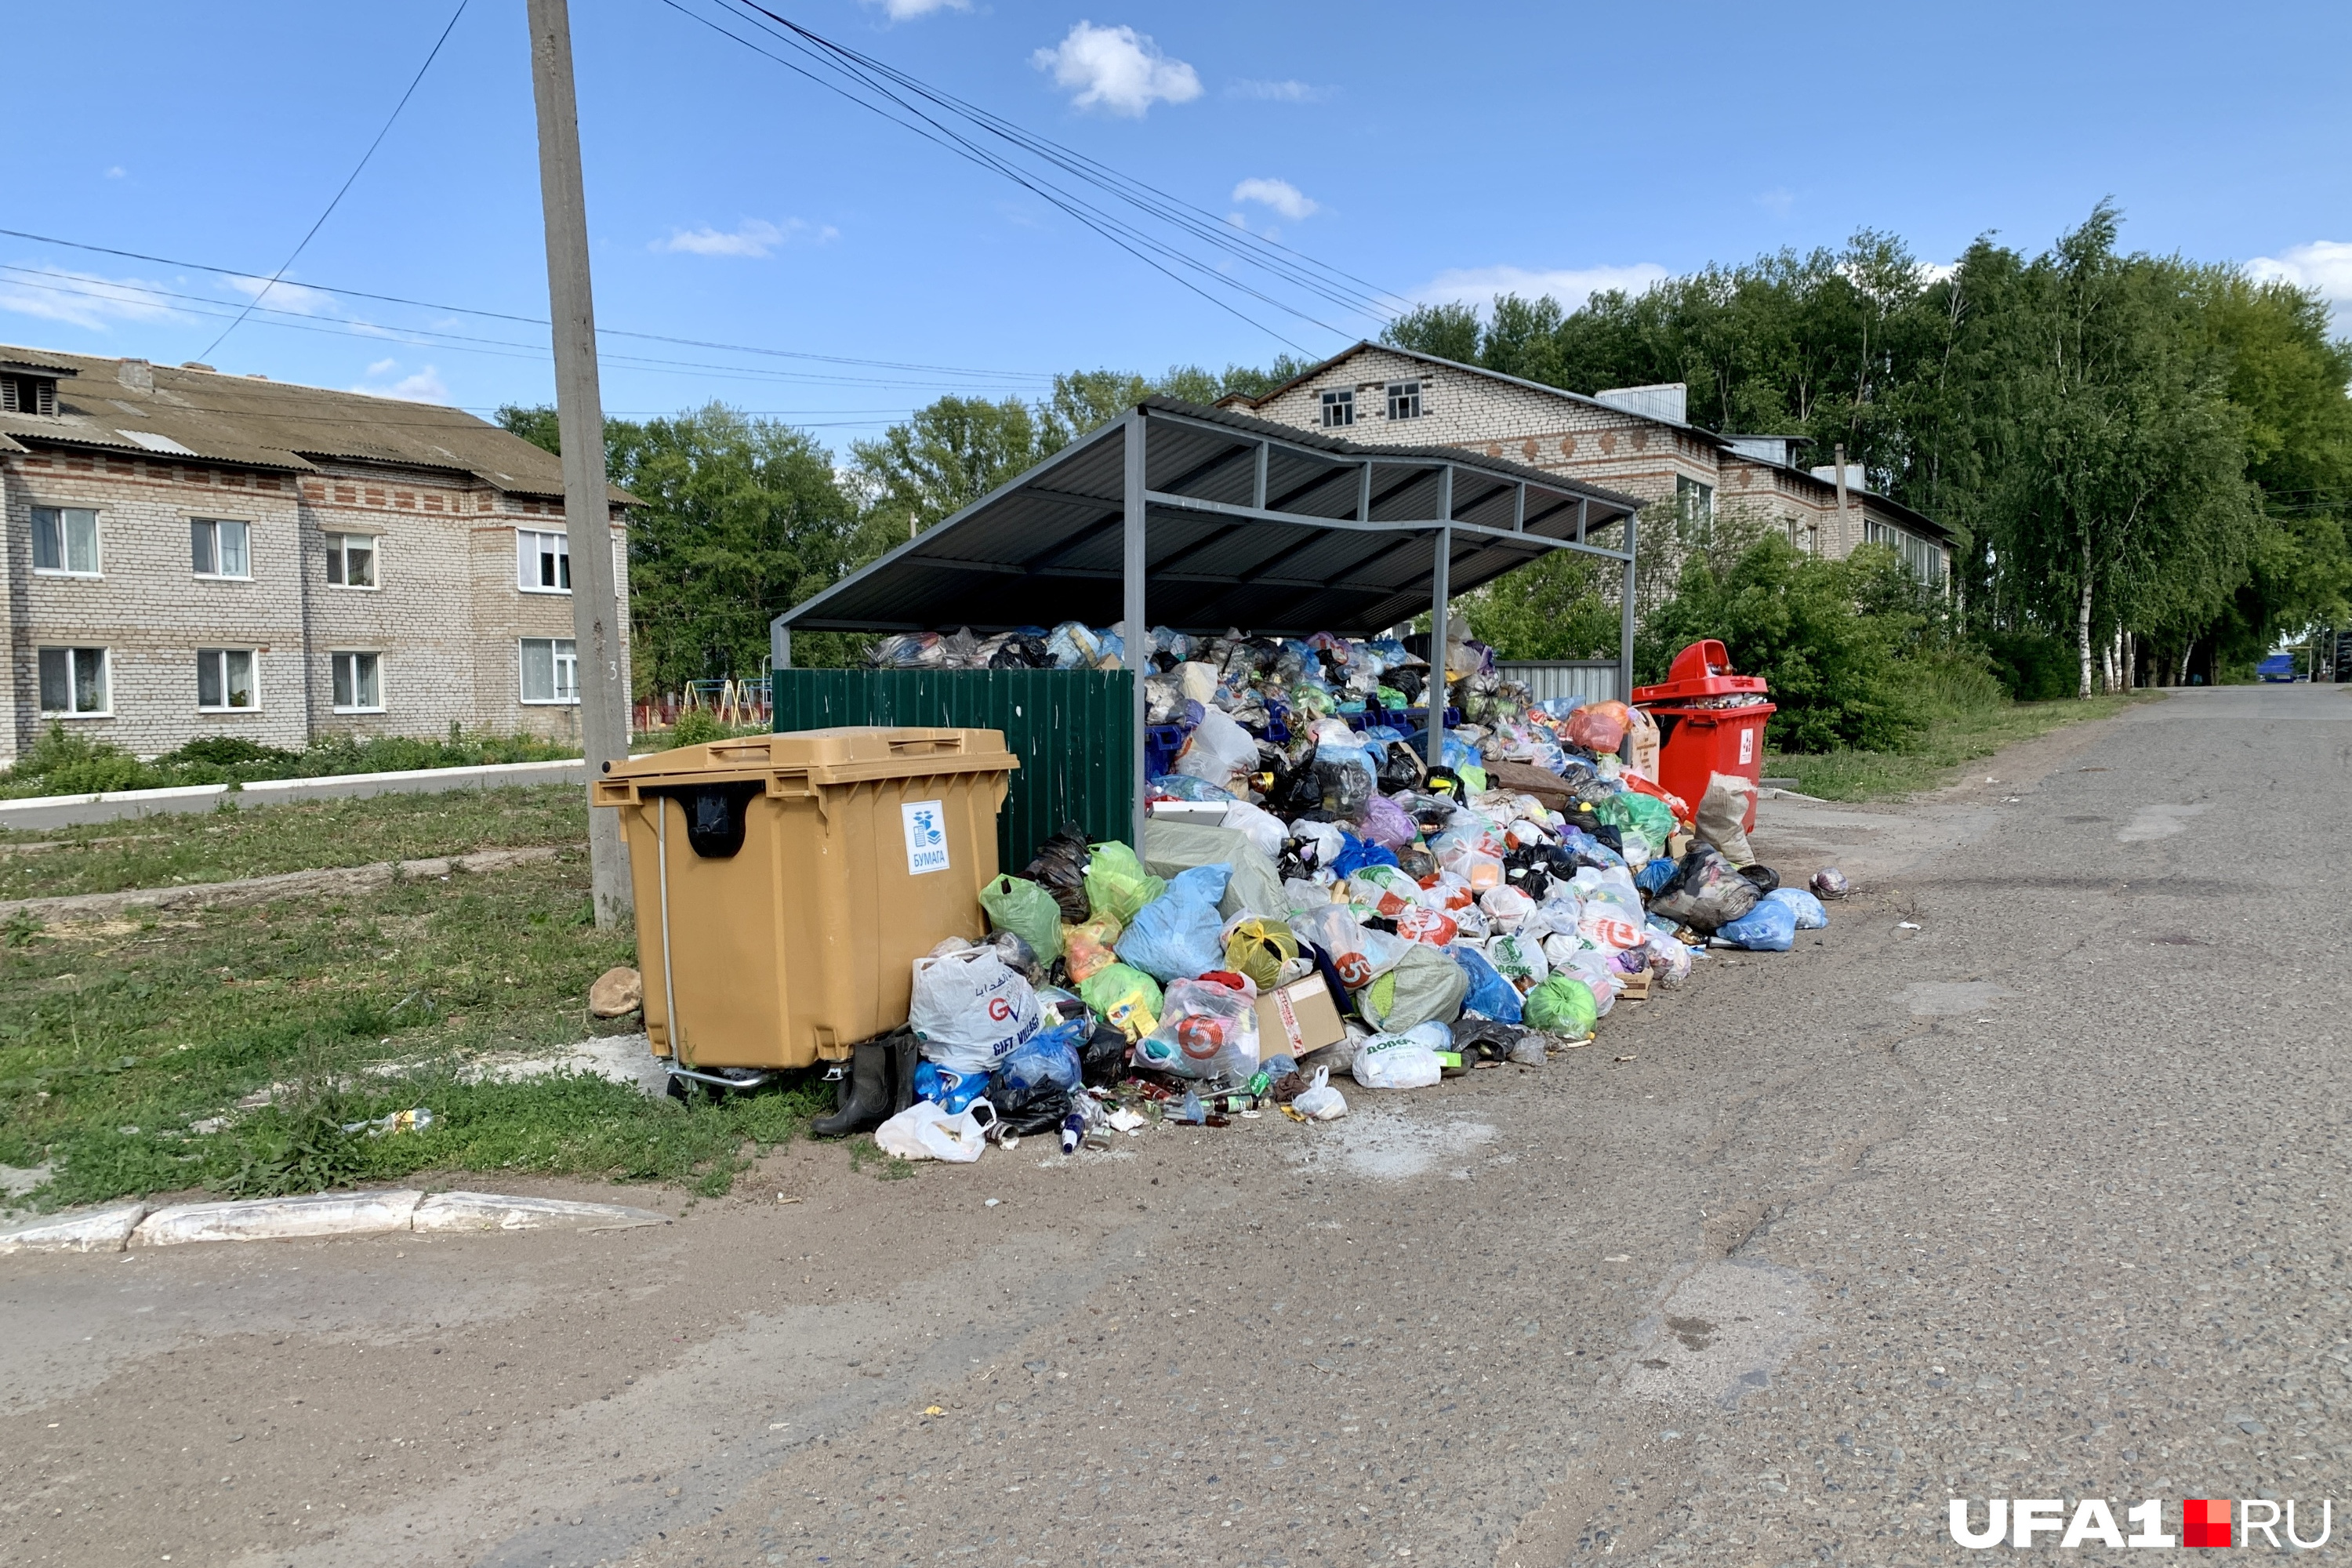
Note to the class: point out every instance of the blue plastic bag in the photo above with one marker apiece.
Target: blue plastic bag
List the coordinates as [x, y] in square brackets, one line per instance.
[1048, 1061]
[1355, 854]
[1808, 909]
[1656, 874]
[1177, 935]
[951, 1091]
[1769, 927]
[1490, 995]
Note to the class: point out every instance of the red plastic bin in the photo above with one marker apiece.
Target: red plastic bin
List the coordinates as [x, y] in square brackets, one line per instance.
[1717, 722]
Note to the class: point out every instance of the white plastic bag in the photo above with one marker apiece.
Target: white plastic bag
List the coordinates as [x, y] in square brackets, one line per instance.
[1206, 1030]
[1505, 907]
[1396, 1062]
[969, 1010]
[1319, 1101]
[924, 1130]
[1259, 826]
[1219, 752]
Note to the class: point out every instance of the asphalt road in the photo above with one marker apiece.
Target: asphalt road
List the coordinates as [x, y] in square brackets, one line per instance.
[2023, 1180]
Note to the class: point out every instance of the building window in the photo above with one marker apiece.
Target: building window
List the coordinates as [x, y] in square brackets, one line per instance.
[1404, 400]
[29, 394]
[359, 687]
[551, 669]
[543, 562]
[65, 540]
[1696, 499]
[74, 683]
[1921, 557]
[1339, 409]
[225, 679]
[220, 547]
[350, 560]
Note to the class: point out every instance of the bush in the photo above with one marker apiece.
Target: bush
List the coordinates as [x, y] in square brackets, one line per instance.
[694, 727]
[2031, 666]
[69, 763]
[1838, 677]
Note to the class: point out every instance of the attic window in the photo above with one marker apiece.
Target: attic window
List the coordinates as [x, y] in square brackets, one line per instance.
[1339, 409]
[29, 394]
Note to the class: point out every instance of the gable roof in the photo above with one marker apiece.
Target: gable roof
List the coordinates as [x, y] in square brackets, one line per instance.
[1721, 443]
[129, 406]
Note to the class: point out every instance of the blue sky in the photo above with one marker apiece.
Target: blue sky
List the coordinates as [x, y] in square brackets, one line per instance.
[1433, 152]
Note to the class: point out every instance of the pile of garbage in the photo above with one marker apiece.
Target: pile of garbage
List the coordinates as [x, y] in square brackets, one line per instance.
[1313, 898]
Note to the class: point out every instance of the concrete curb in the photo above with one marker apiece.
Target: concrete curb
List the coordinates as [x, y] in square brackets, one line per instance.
[74, 810]
[317, 1215]
[261, 890]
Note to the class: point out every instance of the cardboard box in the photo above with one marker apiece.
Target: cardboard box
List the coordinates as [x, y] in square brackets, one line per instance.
[1297, 1018]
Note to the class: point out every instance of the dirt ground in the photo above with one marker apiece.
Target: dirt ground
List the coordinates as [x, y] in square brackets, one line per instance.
[1975, 1193]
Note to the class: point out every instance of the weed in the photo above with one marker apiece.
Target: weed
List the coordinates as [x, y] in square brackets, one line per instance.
[865, 1151]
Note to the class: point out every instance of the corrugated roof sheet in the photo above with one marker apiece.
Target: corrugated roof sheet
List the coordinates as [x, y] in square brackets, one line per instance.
[1049, 545]
[128, 405]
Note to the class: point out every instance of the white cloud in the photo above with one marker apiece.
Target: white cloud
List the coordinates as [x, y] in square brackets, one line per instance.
[1118, 68]
[2324, 264]
[287, 296]
[1779, 201]
[1280, 195]
[82, 298]
[906, 10]
[1278, 91]
[753, 236]
[425, 385]
[1571, 286]
[118, 173]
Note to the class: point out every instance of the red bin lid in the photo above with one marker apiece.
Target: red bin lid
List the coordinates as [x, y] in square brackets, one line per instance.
[1702, 669]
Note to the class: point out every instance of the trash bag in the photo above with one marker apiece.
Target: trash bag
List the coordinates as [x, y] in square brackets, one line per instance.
[1505, 906]
[1220, 751]
[1208, 1030]
[1179, 936]
[927, 1132]
[1417, 863]
[1489, 996]
[1723, 815]
[1384, 889]
[1386, 824]
[953, 1090]
[1017, 954]
[1319, 1101]
[1704, 892]
[1255, 885]
[1118, 885]
[1344, 788]
[1124, 997]
[1355, 854]
[1598, 727]
[1259, 826]
[969, 1010]
[1771, 926]
[1808, 909]
[1102, 1060]
[1764, 876]
[1520, 960]
[1060, 868]
[1425, 985]
[1829, 882]
[1652, 818]
[1421, 923]
[1048, 1061]
[1183, 787]
[1019, 905]
[1561, 1005]
[1670, 961]
[1087, 948]
[1606, 925]
[1402, 770]
[1396, 1062]
[1655, 875]
[1259, 949]
[1358, 956]
[1487, 1040]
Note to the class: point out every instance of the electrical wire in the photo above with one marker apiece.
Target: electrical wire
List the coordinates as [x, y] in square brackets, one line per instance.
[344, 188]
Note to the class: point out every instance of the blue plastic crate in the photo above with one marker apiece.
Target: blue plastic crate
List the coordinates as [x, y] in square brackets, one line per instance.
[1162, 743]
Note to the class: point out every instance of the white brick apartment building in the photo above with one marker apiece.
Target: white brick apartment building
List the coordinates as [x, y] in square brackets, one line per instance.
[188, 553]
[1635, 441]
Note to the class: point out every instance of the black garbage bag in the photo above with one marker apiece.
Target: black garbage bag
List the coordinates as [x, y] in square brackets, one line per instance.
[1021, 651]
[1103, 1057]
[1402, 771]
[1705, 891]
[1346, 789]
[1446, 781]
[1039, 1111]
[1060, 868]
[1764, 876]
[1412, 682]
[1417, 863]
[1486, 1040]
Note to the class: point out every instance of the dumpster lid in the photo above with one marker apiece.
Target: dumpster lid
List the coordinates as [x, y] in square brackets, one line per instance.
[847, 754]
[1702, 669]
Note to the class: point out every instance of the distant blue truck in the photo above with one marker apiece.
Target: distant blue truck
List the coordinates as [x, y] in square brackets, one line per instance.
[2278, 667]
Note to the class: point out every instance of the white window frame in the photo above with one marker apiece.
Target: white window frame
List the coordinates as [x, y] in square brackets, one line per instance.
[220, 657]
[1694, 499]
[335, 669]
[56, 517]
[105, 676]
[559, 662]
[1339, 401]
[531, 557]
[219, 527]
[1404, 400]
[338, 558]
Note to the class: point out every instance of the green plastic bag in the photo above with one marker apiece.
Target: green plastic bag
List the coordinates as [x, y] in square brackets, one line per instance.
[1259, 948]
[1124, 997]
[1117, 883]
[1561, 1006]
[1020, 906]
[1651, 817]
[1425, 985]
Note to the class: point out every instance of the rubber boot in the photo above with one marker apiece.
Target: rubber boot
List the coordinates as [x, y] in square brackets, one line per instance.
[863, 1105]
[903, 1059]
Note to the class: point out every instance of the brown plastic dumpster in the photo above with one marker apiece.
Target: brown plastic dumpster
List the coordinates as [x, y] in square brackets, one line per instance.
[785, 884]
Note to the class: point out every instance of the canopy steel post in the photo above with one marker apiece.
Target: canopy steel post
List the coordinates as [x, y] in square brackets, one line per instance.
[1137, 632]
[1435, 695]
[1257, 480]
[780, 646]
[1625, 626]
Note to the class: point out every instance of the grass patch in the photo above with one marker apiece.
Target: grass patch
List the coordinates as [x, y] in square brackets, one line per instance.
[128, 1045]
[1957, 733]
[296, 836]
[63, 761]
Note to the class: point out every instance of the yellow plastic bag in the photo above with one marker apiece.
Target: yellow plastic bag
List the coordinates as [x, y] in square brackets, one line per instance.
[1259, 948]
[1086, 950]
[1124, 997]
[1117, 883]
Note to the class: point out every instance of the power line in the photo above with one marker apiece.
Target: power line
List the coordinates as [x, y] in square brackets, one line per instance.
[344, 188]
[533, 321]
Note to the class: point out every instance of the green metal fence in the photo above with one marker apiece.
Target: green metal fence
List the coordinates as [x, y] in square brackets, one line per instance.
[1073, 730]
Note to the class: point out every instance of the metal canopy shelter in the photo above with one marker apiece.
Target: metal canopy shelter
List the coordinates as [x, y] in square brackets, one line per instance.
[1204, 520]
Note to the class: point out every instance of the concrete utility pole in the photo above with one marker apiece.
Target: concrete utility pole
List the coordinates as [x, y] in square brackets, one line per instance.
[579, 416]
